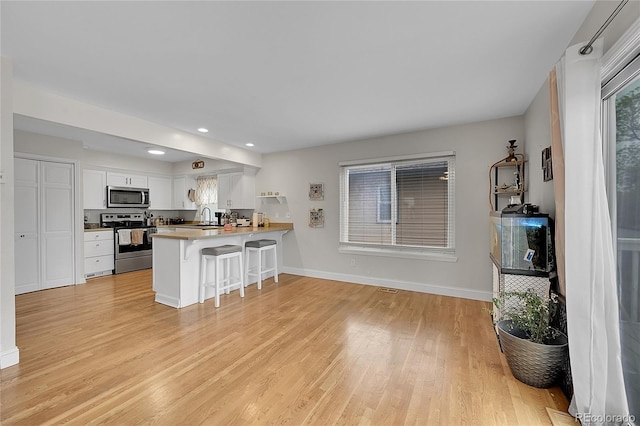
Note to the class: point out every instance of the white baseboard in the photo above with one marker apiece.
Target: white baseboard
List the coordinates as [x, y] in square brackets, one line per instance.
[463, 293]
[169, 301]
[10, 357]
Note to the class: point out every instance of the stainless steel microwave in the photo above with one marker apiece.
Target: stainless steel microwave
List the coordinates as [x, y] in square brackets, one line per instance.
[122, 196]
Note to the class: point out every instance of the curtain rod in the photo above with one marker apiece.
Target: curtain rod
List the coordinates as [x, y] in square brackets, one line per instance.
[587, 49]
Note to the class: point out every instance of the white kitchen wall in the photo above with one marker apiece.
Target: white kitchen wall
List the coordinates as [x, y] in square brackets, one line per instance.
[314, 251]
[35, 143]
[211, 167]
[96, 159]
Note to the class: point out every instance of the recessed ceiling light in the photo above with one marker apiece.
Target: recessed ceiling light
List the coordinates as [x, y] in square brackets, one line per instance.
[203, 130]
[249, 144]
[155, 152]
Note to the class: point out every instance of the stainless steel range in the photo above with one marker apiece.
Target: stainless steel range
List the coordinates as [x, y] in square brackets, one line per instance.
[133, 246]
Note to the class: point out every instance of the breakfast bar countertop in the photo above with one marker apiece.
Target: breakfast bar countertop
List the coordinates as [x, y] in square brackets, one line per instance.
[177, 256]
[203, 234]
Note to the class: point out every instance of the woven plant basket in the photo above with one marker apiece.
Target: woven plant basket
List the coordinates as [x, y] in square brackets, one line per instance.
[535, 364]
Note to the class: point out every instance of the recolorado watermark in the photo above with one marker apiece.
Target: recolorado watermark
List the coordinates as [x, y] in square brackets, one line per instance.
[588, 418]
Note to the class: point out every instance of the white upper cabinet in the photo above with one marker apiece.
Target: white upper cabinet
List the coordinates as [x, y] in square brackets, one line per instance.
[94, 189]
[236, 191]
[127, 179]
[181, 187]
[160, 193]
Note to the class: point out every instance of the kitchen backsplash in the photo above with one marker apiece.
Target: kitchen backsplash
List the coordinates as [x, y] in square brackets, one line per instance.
[276, 212]
[93, 216]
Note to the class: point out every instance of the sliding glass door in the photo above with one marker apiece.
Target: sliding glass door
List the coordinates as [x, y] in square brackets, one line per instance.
[621, 125]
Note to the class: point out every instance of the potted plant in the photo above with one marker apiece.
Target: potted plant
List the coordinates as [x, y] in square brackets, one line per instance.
[535, 351]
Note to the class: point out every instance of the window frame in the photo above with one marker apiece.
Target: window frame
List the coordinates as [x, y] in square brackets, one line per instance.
[446, 254]
[620, 66]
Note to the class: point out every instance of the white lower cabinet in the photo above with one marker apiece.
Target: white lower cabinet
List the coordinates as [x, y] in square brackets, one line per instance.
[98, 253]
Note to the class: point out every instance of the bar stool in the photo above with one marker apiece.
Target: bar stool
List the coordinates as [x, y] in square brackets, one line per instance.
[222, 256]
[260, 247]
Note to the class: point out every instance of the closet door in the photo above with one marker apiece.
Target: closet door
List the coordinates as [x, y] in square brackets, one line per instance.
[44, 216]
[56, 222]
[27, 252]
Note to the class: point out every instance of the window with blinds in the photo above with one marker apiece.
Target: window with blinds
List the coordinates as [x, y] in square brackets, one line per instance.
[404, 205]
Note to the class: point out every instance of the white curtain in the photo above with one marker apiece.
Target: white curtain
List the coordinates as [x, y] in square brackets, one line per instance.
[206, 192]
[592, 308]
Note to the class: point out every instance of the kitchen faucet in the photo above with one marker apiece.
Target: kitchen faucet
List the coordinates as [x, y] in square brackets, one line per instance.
[202, 216]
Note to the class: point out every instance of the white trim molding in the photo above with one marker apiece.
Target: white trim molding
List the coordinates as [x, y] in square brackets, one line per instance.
[397, 158]
[420, 287]
[9, 357]
[622, 52]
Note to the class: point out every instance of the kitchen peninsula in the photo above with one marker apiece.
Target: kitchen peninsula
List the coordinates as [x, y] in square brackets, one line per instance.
[176, 258]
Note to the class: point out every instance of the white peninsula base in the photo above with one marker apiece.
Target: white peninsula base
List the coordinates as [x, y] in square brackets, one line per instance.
[176, 260]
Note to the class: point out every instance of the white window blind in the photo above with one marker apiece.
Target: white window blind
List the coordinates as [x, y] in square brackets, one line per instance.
[206, 192]
[402, 205]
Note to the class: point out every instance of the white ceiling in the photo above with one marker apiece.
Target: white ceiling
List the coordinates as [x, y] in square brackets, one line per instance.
[289, 75]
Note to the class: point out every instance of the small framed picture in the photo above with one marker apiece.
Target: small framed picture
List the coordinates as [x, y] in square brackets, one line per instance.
[547, 165]
[316, 218]
[316, 191]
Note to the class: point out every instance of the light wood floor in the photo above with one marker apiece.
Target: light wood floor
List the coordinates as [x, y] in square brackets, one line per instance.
[304, 351]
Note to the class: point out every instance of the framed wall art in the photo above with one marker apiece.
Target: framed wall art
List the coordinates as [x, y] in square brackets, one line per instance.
[316, 191]
[316, 218]
[547, 165]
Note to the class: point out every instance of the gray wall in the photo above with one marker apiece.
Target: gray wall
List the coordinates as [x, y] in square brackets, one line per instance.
[537, 123]
[314, 252]
[538, 136]
[9, 354]
[599, 13]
